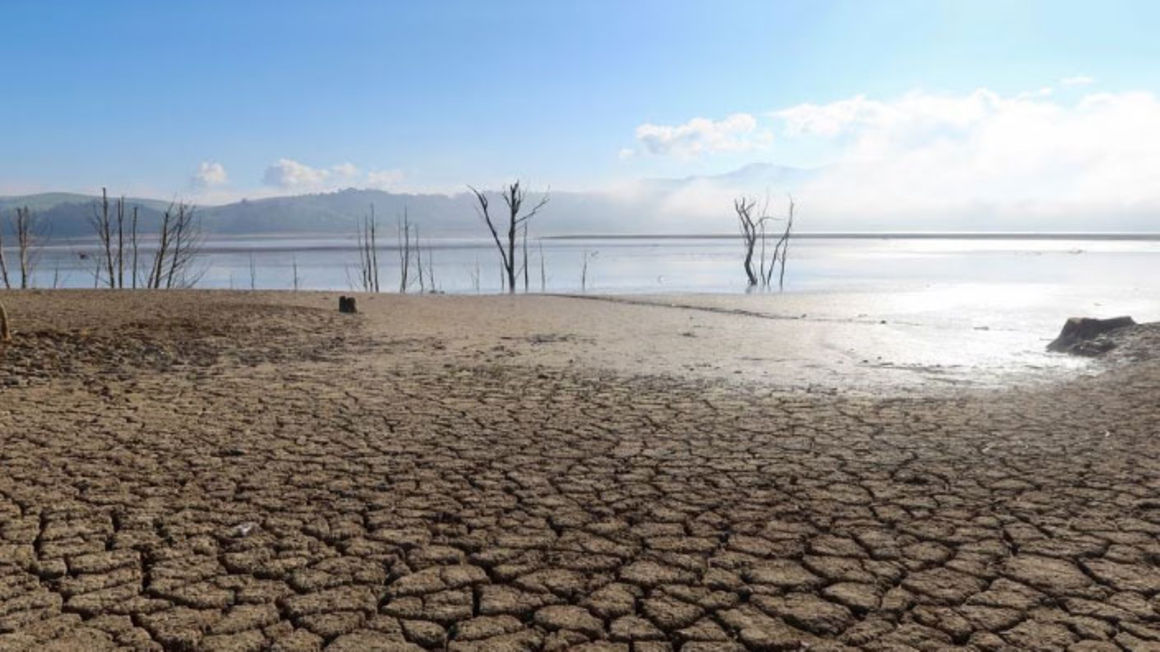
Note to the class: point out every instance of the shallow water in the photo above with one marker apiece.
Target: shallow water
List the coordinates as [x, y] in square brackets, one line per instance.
[1114, 267]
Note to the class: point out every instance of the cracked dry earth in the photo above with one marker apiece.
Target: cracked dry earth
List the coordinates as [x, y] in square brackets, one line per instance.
[233, 472]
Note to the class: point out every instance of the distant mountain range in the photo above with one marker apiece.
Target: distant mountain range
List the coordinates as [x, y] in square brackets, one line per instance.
[646, 206]
[697, 204]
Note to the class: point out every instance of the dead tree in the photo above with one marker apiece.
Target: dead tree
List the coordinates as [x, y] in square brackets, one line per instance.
[754, 231]
[28, 240]
[525, 263]
[374, 251]
[781, 251]
[514, 197]
[404, 235]
[419, 261]
[179, 242]
[368, 253]
[133, 241]
[431, 267]
[588, 255]
[110, 230]
[121, 242]
[102, 222]
[3, 261]
[543, 270]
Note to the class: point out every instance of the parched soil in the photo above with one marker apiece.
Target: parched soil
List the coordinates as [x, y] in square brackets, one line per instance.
[225, 471]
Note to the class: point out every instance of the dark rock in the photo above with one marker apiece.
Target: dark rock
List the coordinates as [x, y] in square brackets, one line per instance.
[347, 304]
[1083, 335]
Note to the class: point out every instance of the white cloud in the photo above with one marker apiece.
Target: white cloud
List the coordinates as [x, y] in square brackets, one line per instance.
[982, 155]
[290, 174]
[737, 132]
[1078, 80]
[344, 171]
[209, 174]
[383, 179]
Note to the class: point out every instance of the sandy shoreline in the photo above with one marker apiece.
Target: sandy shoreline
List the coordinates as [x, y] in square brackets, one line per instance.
[229, 470]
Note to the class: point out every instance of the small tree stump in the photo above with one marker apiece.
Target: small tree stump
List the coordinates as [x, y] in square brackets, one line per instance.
[347, 304]
[1079, 335]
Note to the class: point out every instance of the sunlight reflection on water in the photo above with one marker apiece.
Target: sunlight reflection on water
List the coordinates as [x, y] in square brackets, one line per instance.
[675, 265]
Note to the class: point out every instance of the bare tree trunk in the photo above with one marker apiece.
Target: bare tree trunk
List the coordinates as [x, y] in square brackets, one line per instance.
[404, 229]
[785, 247]
[133, 240]
[178, 245]
[3, 261]
[162, 249]
[543, 270]
[525, 264]
[253, 273]
[431, 267]
[419, 261]
[761, 266]
[749, 225]
[514, 197]
[103, 223]
[121, 242]
[511, 268]
[179, 231]
[26, 239]
[584, 273]
[374, 251]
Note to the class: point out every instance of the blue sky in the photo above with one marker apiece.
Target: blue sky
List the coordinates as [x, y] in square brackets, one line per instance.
[277, 97]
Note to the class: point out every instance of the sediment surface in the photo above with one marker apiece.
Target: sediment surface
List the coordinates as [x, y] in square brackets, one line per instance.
[231, 471]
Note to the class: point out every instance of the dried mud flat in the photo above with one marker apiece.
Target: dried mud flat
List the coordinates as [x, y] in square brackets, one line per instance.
[225, 471]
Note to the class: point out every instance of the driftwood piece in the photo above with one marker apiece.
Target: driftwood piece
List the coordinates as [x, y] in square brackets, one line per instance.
[1082, 335]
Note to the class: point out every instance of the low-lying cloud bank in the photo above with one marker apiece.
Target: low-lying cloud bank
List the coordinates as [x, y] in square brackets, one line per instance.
[980, 160]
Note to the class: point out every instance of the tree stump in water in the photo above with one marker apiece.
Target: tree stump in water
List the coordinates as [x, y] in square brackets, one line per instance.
[347, 304]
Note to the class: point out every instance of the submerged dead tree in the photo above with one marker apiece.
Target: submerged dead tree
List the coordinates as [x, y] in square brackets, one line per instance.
[404, 233]
[102, 222]
[3, 261]
[368, 253]
[514, 196]
[411, 257]
[112, 259]
[179, 242]
[782, 248]
[754, 231]
[29, 235]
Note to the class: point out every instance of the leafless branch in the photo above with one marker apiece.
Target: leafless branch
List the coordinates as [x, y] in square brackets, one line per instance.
[514, 197]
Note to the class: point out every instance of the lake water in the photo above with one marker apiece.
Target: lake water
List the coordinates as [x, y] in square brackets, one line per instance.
[661, 266]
